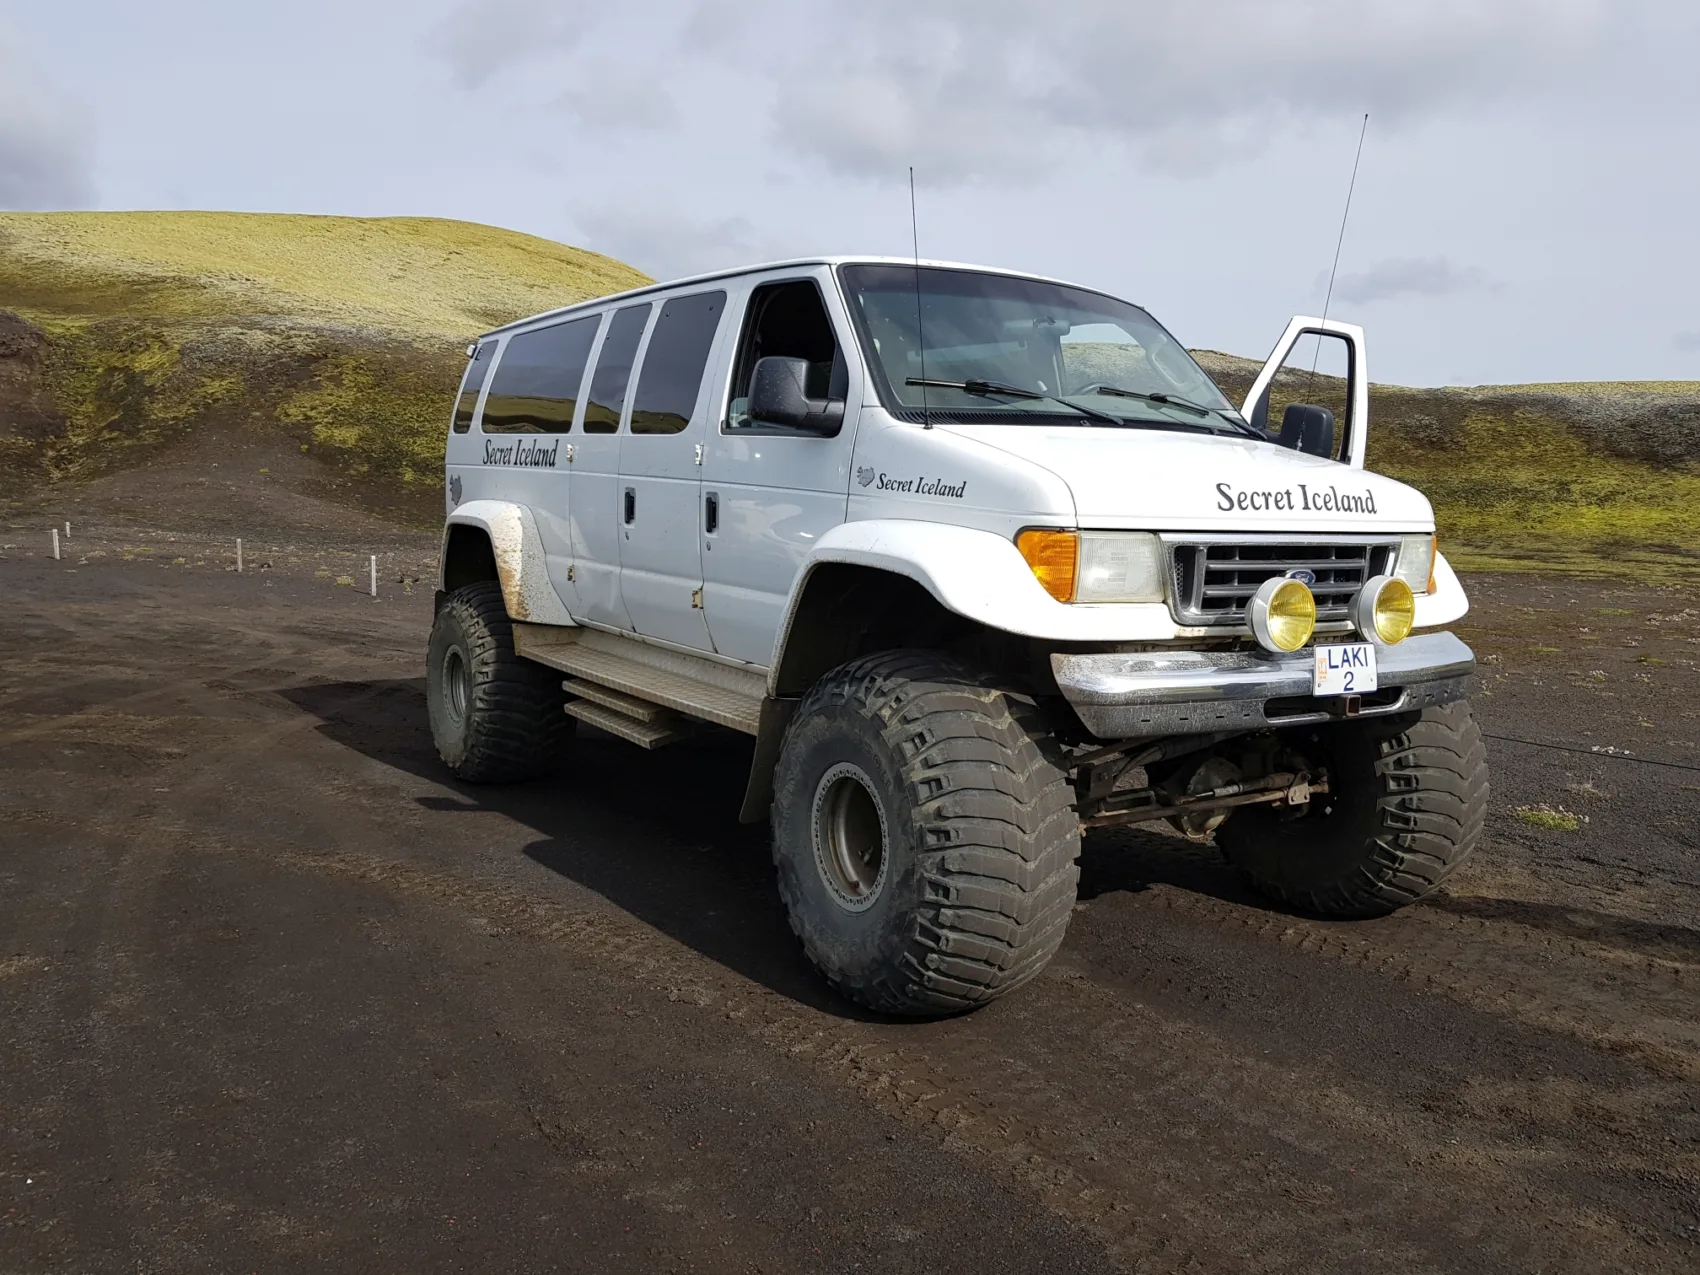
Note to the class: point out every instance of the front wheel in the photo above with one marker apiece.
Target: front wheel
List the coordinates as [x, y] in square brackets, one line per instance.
[1405, 808]
[924, 834]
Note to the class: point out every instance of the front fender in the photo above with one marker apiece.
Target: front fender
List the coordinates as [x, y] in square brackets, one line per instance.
[979, 575]
[1447, 603]
[521, 567]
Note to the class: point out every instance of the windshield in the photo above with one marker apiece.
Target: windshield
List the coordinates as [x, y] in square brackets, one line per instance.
[1059, 353]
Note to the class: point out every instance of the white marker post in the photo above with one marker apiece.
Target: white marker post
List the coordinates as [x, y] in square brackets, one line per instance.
[374, 575]
[238, 555]
[67, 530]
[56, 544]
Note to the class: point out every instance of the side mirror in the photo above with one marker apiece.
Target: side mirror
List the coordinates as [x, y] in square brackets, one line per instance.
[1307, 429]
[779, 396]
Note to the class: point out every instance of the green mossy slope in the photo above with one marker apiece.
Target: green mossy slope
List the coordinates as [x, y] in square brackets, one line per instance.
[130, 330]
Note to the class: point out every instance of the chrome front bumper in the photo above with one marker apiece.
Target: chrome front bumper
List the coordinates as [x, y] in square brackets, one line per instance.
[1151, 693]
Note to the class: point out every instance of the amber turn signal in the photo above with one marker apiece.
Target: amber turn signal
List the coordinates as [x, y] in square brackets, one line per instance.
[1053, 556]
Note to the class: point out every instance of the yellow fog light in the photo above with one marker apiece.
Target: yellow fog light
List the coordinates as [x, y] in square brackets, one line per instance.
[1385, 610]
[1053, 556]
[1283, 614]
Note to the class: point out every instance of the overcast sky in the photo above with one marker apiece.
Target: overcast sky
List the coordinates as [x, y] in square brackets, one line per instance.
[1526, 209]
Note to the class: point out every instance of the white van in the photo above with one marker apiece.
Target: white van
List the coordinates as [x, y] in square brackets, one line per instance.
[982, 561]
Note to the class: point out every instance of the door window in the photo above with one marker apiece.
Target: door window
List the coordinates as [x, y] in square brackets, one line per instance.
[536, 385]
[674, 362]
[477, 368]
[1318, 372]
[787, 320]
[614, 370]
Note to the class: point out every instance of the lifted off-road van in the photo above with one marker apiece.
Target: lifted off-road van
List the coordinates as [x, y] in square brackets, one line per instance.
[982, 561]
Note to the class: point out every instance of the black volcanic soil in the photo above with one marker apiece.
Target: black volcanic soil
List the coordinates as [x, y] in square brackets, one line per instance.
[275, 994]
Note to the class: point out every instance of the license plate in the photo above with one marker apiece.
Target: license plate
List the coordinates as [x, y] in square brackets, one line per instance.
[1344, 670]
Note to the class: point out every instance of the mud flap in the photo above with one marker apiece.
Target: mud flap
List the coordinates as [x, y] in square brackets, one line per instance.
[758, 792]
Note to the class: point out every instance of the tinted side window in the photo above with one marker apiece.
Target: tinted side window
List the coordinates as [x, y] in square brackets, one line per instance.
[674, 362]
[614, 370]
[477, 368]
[537, 381]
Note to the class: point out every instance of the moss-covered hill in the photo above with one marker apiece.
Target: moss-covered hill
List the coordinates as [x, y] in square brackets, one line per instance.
[121, 333]
[1577, 477]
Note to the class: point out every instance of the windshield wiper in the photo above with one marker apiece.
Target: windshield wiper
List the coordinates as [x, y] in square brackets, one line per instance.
[1175, 400]
[1165, 399]
[1013, 391]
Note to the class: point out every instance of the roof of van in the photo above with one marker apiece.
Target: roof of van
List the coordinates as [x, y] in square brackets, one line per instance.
[789, 264]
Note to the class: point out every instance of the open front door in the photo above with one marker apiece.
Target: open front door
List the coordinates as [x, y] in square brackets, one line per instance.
[1343, 345]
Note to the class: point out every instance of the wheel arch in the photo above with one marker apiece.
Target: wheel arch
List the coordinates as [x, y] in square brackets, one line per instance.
[843, 609]
[851, 600]
[498, 540]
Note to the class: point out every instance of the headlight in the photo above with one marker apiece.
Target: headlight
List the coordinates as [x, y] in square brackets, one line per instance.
[1095, 566]
[1283, 614]
[1384, 610]
[1416, 563]
[1120, 566]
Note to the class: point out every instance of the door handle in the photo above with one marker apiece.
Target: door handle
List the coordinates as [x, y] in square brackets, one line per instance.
[711, 513]
[631, 505]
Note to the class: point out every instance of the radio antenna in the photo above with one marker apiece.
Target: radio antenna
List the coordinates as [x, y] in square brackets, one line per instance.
[920, 326]
[1328, 299]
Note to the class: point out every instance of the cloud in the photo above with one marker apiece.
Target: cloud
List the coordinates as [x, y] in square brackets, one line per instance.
[482, 37]
[1411, 277]
[716, 24]
[1006, 90]
[875, 120]
[646, 233]
[614, 103]
[1687, 342]
[46, 143]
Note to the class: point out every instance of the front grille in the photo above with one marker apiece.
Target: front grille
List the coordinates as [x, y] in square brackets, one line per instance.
[1213, 582]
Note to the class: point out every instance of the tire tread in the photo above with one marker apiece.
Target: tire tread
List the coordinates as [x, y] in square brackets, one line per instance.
[1430, 780]
[997, 838]
[518, 725]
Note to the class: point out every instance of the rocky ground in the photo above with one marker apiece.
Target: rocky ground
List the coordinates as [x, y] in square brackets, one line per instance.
[276, 994]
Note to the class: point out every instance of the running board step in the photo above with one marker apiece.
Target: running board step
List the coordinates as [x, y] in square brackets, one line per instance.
[721, 693]
[644, 734]
[637, 709]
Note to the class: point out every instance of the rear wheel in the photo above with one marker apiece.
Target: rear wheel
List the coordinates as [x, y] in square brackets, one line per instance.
[1405, 808]
[924, 834]
[495, 717]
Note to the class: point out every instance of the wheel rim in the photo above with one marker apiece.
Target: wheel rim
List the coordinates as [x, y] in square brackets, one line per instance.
[457, 684]
[850, 837]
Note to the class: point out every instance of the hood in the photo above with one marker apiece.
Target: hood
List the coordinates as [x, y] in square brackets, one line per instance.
[1168, 481]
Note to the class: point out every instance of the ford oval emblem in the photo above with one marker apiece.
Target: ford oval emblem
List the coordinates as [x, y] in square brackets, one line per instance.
[1302, 576]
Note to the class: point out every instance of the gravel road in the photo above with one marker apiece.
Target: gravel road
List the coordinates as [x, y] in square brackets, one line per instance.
[275, 994]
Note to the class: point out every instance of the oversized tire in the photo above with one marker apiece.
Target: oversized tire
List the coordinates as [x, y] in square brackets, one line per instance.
[1408, 797]
[495, 717]
[924, 834]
